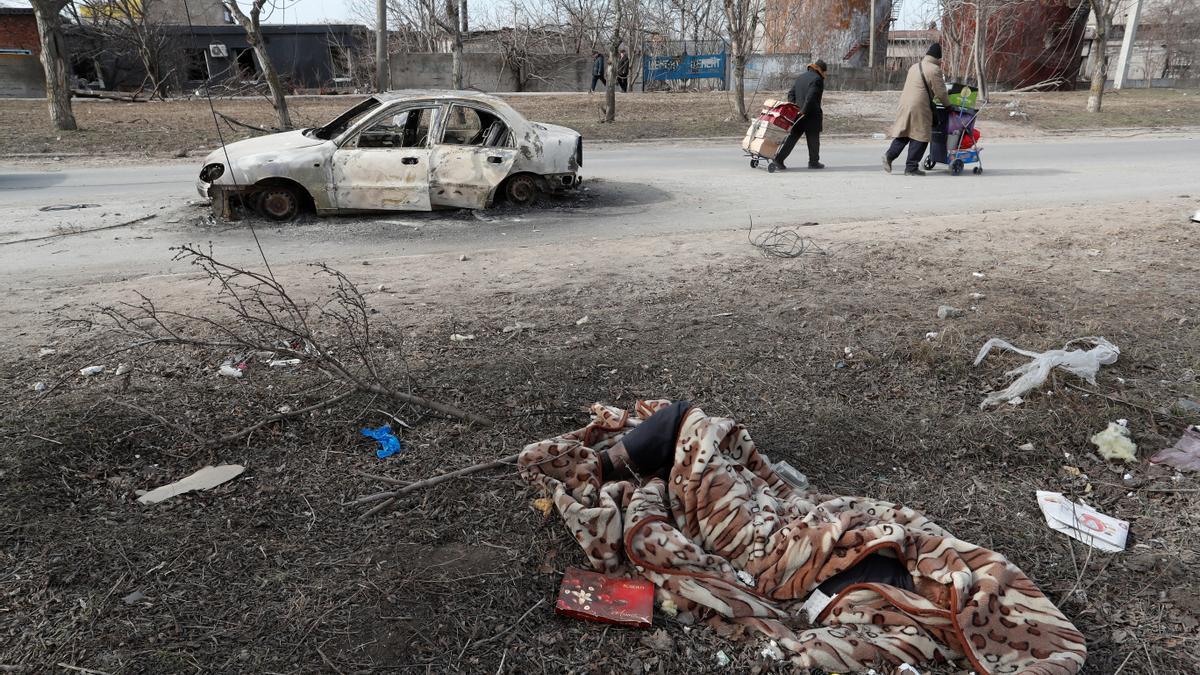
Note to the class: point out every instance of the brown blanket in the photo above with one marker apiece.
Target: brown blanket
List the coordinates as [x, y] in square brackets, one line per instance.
[726, 538]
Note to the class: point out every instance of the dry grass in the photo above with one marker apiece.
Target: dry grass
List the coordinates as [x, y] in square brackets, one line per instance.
[1125, 109]
[273, 573]
[173, 128]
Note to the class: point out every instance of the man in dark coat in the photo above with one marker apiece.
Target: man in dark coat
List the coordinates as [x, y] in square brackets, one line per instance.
[623, 71]
[597, 70]
[806, 94]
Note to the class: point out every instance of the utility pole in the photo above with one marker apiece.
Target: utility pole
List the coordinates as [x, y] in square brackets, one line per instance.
[381, 55]
[1131, 22]
[871, 38]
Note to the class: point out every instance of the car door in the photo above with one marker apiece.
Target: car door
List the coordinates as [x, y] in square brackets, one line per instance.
[385, 165]
[472, 156]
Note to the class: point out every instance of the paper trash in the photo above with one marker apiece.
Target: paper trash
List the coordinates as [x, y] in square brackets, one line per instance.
[208, 477]
[1083, 522]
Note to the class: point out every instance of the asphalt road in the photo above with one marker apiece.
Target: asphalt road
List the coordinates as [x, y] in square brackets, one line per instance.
[631, 189]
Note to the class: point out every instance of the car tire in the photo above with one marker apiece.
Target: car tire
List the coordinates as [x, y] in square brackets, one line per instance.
[522, 190]
[280, 203]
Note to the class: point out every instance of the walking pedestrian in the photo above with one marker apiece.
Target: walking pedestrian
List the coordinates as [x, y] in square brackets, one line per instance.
[623, 71]
[806, 94]
[923, 86]
[597, 71]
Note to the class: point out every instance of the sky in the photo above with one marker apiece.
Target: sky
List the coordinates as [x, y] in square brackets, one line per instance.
[912, 12]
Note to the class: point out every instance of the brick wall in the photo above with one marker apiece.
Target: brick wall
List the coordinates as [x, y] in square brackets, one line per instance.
[19, 31]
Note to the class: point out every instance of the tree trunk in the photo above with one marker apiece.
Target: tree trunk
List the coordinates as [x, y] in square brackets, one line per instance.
[54, 62]
[254, 36]
[614, 46]
[739, 85]
[454, 14]
[1099, 54]
[278, 100]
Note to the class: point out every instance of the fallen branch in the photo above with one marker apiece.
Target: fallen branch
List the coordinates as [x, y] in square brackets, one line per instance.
[266, 318]
[229, 120]
[391, 497]
[127, 223]
[108, 96]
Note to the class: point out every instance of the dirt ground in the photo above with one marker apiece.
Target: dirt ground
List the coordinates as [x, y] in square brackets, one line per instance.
[180, 128]
[826, 357]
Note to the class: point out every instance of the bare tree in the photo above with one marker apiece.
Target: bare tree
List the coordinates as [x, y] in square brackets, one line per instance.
[126, 26]
[742, 17]
[54, 61]
[614, 47]
[1103, 10]
[254, 36]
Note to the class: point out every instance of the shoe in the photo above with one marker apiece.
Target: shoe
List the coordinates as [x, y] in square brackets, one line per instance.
[779, 166]
[816, 165]
[914, 172]
[887, 164]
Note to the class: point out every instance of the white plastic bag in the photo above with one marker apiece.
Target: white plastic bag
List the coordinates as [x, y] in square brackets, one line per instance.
[1081, 363]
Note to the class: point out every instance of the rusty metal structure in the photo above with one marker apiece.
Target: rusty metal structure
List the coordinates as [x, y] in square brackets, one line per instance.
[838, 31]
[1014, 43]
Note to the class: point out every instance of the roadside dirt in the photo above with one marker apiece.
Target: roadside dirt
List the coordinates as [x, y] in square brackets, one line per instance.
[826, 357]
[178, 128]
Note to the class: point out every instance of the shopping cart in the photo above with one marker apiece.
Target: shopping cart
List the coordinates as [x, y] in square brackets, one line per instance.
[768, 132]
[954, 141]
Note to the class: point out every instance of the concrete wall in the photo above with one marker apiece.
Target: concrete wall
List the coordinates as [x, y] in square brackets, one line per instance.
[21, 77]
[489, 72]
[777, 72]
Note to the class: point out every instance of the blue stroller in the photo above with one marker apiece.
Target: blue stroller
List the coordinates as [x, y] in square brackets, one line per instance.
[952, 142]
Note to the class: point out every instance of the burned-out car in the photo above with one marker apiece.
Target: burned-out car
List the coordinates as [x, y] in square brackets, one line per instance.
[398, 151]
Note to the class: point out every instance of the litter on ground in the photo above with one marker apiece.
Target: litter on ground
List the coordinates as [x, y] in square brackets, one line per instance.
[91, 370]
[1185, 454]
[388, 443]
[230, 370]
[595, 597]
[204, 479]
[1081, 363]
[1114, 443]
[1082, 522]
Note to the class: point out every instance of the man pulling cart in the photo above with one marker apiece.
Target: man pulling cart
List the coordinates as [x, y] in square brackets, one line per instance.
[774, 133]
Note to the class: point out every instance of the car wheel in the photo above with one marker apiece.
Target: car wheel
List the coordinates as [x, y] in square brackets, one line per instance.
[279, 202]
[522, 190]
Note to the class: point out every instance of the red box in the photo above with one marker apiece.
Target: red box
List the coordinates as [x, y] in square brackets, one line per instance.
[591, 596]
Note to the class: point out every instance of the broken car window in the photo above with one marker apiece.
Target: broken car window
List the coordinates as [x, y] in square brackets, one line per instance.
[403, 129]
[472, 126]
[344, 121]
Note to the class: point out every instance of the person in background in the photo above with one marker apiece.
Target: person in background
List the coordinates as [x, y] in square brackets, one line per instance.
[623, 71]
[914, 123]
[806, 94]
[597, 71]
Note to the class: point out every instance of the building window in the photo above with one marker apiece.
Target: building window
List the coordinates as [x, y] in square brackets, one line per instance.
[195, 64]
[340, 64]
[244, 61]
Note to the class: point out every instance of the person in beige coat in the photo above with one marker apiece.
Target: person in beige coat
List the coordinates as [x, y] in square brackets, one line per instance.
[914, 123]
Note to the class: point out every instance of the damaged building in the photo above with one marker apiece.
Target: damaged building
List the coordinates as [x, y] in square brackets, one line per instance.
[309, 58]
[21, 73]
[838, 31]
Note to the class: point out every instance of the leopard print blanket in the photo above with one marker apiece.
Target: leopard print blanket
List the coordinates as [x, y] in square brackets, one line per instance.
[726, 539]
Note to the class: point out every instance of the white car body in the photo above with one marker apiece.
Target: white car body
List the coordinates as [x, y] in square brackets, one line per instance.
[342, 167]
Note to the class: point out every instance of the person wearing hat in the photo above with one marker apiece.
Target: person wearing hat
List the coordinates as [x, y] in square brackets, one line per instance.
[806, 94]
[914, 123]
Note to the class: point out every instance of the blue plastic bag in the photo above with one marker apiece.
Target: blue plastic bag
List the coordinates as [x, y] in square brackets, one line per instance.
[388, 443]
